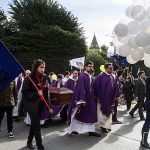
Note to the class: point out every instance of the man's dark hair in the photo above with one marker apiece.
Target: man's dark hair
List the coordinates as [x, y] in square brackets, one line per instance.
[67, 73]
[60, 76]
[107, 65]
[140, 73]
[51, 73]
[89, 63]
[36, 64]
[115, 67]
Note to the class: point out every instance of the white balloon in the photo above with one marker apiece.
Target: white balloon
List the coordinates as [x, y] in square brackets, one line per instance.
[148, 12]
[131, 42]
[121, 30]
[146, 57]
[133, 27]
[130, 60]
[116, 42]
[137, 54]
[142, 39]
[117, 48]
[124, 50]
[138, 13]
[129, 10]
[145, 26]
[123, 40]
[147, 49]
[147, 63]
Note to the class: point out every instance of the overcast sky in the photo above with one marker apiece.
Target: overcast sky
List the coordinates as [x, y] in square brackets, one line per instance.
[96, 16]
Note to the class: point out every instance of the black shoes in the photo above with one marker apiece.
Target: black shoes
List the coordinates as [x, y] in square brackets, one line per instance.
[74, 133]
[144, 142]
[105, 130]
[116, 122]
[30, 146]
[41, 147]
[131, 115]
[10, 135]
[145, 145]
[94, 134]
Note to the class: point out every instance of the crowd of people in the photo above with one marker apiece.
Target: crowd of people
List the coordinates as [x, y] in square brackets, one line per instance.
[93, 104]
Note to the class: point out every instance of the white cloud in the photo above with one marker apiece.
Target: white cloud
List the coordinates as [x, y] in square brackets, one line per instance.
[130, 2]
[123, 2]
[102, 27]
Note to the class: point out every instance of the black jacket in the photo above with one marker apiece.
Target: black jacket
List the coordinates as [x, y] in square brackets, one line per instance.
[31, 99]
[148, 88]
[128, 90]
[140, 89]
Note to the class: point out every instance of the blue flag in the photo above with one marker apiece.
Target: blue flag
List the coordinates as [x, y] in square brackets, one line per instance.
[9, 67]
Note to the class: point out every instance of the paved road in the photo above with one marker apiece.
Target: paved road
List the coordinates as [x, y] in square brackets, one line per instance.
[123, 137]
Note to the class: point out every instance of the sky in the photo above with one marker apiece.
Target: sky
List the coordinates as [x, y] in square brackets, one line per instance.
[95, 16]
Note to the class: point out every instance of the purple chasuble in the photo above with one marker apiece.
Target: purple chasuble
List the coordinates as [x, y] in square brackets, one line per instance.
[70, 84]
[56, 107]
[54, 84]
[83, 92]
[106, 91]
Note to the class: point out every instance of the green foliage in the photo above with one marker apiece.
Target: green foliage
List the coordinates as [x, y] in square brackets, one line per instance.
[44, 29]
[30, 14]
[139, 66]
[104, 49]
[96, 57]
[3, 22]
[54, 45]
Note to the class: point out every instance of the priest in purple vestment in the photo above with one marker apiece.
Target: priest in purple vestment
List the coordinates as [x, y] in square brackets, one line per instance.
[58, 83]
[118, 93]
[72, 81]
[82, 114]
[105, 90]
[57, 109]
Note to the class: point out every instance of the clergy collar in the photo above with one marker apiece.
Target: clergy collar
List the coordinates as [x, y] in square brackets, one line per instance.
[86, 72]
[73, 78]
[108, 73]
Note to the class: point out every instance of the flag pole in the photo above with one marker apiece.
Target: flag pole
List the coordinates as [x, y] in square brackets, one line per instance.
[42, 97]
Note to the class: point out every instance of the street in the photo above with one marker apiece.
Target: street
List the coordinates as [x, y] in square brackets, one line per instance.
[126, 136]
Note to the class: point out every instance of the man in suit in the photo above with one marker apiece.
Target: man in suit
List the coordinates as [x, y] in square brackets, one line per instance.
[146, 126]
[140, 88]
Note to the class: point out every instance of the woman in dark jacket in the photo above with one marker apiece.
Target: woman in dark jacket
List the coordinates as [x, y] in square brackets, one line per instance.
[32, 102]
[128, 91]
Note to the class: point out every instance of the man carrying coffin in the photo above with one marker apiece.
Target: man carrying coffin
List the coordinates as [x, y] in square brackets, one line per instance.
[82, 114]
[105, 90]
[72, 80]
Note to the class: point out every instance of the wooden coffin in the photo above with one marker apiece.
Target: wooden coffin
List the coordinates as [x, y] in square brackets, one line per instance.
[60, 95]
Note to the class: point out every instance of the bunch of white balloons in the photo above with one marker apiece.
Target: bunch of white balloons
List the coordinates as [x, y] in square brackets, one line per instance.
[133, 38]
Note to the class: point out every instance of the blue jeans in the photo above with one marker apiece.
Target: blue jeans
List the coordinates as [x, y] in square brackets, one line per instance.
[146, 125]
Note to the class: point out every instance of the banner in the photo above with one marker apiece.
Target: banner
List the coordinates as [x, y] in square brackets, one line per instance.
[78, 62]
[9, 67]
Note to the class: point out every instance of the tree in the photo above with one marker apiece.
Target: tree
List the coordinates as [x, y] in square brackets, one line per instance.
[3, 21]
[97, 58]
[44, 29]
[104, 49]
[31, 14]
[139, 66]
